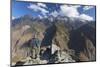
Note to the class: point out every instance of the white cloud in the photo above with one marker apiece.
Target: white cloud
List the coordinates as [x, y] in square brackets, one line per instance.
[40, 16]
[54, 13]
[38, 8]
[72, 11]
[86, 17]
[87, 7]
[75, 6]
[45, 16]
[33, 7]
[13, 17]
[42, 5]
[69, 11]
[65, 10]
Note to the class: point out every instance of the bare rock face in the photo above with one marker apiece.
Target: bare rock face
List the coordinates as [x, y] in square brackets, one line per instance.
[62, 36]
[35, 61]
[89, 52]
[30, 61]
[21, 37]
[83, 44]
[55, 48]
[61, 57]
[65, 57]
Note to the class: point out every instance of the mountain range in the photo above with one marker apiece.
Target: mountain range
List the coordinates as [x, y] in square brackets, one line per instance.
[77, 37]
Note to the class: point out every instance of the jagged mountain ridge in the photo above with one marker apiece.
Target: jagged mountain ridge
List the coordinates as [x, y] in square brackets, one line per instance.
[69, 21]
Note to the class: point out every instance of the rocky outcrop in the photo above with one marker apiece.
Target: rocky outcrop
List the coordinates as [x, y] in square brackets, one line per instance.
[89, 52]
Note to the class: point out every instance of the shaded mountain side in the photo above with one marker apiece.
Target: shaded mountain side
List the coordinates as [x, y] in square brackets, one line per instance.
[82, 41]
[90, 32]
[77, 41]
[49, 35]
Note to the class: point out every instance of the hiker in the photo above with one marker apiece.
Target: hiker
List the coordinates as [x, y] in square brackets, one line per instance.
[35, 44]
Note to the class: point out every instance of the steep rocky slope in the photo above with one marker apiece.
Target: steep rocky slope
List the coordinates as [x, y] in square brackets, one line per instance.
[62, 41]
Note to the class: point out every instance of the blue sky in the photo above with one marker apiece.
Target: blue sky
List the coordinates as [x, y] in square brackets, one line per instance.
[54, 9]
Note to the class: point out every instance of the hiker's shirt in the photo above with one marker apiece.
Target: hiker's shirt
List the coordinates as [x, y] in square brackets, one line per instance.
[35, 43]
